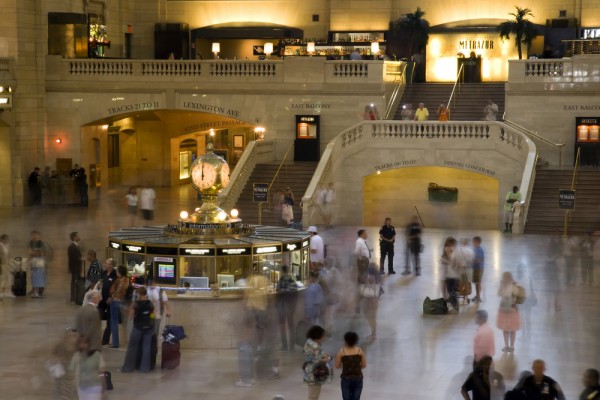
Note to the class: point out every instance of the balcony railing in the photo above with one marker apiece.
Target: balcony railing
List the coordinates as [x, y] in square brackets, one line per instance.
[247, 71]
[580, 68]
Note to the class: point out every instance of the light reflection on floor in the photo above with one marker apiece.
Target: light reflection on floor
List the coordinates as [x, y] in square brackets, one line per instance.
[414, 357]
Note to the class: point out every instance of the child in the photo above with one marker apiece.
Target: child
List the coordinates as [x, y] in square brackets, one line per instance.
[352, 360]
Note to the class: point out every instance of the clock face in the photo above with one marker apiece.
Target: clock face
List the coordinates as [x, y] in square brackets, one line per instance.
[209, 176]
[203, 175]
[225, 175]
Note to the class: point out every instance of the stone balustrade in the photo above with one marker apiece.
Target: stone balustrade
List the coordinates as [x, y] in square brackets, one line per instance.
[317, 70]
[579, 69]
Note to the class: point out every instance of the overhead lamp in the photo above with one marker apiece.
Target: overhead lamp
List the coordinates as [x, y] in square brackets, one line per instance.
[259, 133]
[216, 49]
[222, 216]
[310, 48]
[58, 140]
[183, 215]
[268, 49]
[235, 213]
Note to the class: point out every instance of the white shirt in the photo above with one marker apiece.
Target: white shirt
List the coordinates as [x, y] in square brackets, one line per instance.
[361, 249]
[154, 297]
[147, 196]
[132, 199]
[327, 196]
[463, 257]
[316, 243]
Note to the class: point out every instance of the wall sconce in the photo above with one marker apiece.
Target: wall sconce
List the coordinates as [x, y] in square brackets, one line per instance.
[375, 48]
[216, 49]
[259, 133]
[310, 48]
[58, 140]
[268, 49]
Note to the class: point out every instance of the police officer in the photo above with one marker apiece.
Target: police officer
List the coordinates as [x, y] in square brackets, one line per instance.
[387, 236]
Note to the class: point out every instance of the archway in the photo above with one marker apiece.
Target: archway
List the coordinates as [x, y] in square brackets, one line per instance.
[158, 146]
[396, 192]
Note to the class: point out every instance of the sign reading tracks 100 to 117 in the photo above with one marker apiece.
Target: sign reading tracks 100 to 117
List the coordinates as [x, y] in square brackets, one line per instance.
[261, 192]
[566, 199]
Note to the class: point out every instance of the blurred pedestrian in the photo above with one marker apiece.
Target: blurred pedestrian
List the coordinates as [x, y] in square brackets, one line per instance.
[287, 296]
[35, 187]
[160, 300]
[117, 291]
[94, 272]
[109, 275]
[363, 255]
[591, 381]
[587, 260]
[317, 249]
[37, 268]
[86, 365]
[82, 185]
[131, 200]
[256, 305]
[287, 208]
[421, 113]
[87, 320]
[313, 298]
[387, 238]
[327, 200]
[140, 340]
[371, 303]
[407, 113]
[508, 314]
[478, 265]
[450, 275]
[412, 235]
[352, 360]
[147, 200]
[511, 197]
[483, 342]
[6, 268]
[540, 386]
[315, 361]
[74, 261]
[443, 113]
[484, 383]
[61, 355]
[490, 111]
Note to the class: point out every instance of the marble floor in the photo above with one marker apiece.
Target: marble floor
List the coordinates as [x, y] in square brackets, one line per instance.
[415, 356]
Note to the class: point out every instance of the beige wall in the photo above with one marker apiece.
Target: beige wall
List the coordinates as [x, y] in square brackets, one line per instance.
[393, 193]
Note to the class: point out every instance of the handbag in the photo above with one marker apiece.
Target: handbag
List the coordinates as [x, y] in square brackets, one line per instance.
[369, 290]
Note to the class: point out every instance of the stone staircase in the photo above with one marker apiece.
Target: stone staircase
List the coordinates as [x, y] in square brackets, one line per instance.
[468, 103]
[296, 175]
[545, 217]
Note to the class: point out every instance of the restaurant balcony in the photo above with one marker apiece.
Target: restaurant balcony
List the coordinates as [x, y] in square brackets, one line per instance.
[306, 73]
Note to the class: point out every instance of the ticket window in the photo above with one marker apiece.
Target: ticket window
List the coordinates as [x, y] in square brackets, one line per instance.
[268, 265]
[192, 267]
[164, 269]
[238, 266]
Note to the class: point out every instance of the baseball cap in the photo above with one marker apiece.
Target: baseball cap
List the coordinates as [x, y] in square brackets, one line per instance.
[312, 229]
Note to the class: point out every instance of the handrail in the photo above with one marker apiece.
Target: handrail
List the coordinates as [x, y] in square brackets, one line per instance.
[460, 70]
[280, 165]
[392, 101]
[539, 137]
[575, 168]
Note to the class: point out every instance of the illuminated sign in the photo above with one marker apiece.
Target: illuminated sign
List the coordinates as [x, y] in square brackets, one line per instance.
[197, 252]
[4, 100]
[267, 250]
[307, 119]
[591, 33]
[305, 243]
[163, 259]
[233, 252]
[114, 245]
[293, 246]
[133, 248]
[476, 45]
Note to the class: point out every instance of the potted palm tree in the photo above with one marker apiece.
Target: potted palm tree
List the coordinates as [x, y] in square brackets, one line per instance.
[524, 31]
[416, 28]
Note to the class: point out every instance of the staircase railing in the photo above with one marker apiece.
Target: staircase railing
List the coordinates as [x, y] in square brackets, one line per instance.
[537, 136]
[573, 185]
[395, 97]
[277, 173]
[310, 200]
[255, 153]
[456, 83]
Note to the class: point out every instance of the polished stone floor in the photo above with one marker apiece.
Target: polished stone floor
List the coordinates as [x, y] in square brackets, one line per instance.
[415, 356]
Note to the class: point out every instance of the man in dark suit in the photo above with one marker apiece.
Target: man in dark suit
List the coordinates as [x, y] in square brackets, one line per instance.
[74, 253]
[87, 320]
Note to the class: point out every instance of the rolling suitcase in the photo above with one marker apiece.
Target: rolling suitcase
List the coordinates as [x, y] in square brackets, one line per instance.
[19, 287]
[171, 356]
[80, 288]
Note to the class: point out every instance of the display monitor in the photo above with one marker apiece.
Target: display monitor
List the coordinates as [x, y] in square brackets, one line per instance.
[225, 280]
[166, 270]
[200, 282]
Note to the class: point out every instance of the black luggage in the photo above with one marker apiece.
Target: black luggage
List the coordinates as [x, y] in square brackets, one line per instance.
[19, 287]
[435, 307]
[80, 287]
[153, 353]
[171, 356]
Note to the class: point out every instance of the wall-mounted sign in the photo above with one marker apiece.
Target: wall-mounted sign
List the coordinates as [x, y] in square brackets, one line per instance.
[588, 129]
[133, 248]
[199, 252]
[566, 199]
[237, 251]
[266, 249]
[590, 33]
[169, 251]
[260, 192]
[114, 245]
[306, 243]
[292, 246]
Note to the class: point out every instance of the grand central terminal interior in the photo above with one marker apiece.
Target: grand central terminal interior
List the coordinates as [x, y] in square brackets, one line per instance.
[255, 123]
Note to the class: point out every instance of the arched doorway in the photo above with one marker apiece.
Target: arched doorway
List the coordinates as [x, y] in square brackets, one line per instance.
[188, 149]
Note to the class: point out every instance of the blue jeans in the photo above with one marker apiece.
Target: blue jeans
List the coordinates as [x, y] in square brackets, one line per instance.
[115, 312]
[139, 341]
[351, 388]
